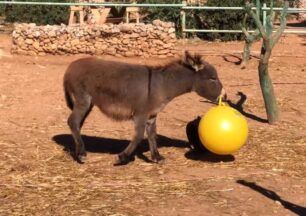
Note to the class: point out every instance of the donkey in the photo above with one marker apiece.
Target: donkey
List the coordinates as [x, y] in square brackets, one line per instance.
[133, 92]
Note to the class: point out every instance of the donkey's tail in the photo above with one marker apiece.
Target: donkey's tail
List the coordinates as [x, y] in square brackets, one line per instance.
[68, 98]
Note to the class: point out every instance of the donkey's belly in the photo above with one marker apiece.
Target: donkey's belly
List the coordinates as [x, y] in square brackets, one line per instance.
[116, 111]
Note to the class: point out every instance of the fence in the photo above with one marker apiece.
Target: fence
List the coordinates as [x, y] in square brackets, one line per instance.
[184, 6]
[264, 9]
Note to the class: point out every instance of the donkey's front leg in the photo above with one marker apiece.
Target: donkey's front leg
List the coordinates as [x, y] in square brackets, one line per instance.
[125, 156]
[151, 132]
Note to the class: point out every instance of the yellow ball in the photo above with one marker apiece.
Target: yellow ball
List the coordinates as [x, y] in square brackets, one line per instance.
[223, 130]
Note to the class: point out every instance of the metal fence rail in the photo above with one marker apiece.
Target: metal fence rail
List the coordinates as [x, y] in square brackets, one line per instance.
[90, 4]
[183, 7]
[264, 9]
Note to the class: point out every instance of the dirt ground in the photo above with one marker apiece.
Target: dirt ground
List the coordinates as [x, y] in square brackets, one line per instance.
[39, 177]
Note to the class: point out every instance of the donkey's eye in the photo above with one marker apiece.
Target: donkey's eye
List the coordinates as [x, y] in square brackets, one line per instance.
[212, 79]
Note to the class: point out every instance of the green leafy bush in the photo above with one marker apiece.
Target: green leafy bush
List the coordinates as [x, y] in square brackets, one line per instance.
[221, 19]
[2, 10]
[200, 19]
[168, 14]
[39, 14]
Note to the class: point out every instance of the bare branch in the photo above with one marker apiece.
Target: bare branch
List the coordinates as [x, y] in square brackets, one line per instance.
[256, 18]
[283, 24]
[255, 36]
[270, 23]
[244, 25]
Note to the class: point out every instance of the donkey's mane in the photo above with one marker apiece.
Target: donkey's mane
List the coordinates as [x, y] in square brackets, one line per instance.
[181, 61]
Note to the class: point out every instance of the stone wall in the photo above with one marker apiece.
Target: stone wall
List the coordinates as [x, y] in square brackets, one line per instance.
[147, 40]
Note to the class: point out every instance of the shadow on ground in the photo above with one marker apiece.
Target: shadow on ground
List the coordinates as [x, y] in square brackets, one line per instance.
[208, 157]
[198, 151]
[239, 106]
[297, 24]
[113, 146]
[299, 210]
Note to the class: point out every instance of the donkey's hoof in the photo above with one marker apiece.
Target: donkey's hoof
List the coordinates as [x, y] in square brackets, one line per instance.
[158, 159]
[122, 159]
[81, 158]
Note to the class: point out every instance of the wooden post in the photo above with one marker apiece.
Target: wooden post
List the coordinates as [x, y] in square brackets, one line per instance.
[73, 11]
[132, 10]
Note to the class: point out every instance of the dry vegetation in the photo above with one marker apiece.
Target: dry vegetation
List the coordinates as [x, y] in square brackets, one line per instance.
[39, 177]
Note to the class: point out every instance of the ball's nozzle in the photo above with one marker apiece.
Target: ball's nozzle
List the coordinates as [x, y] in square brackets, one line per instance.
[222, 96]
[220, 100]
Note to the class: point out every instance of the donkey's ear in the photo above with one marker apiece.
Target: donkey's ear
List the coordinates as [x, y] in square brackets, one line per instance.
[193, 61]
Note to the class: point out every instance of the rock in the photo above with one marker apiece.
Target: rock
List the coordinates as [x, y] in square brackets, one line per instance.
[114, 40]
[126, 36]
[144, 46]
[92, 49]
[99, 52]
[174, 52]
[172, 35]
[125, 27]
[152, 51]
[21, 52]
[103, 47]
[162, 56]
[145, 55]
[110, 51]
[24, 47]
[31, 25]
[171, 30]
[19, 41]
[32, 53]
[75, 42]
[167, 45]
[158, 42]
[36, 34]
[53, 47]
[52, 34]
[46, 41]
[163, 52]
[36, 45]
[118, 55]
[126, 41]
[156, 22]
[143, 34]
[129, 54]
[29, 41]
[82, 50]
[134, 35]
[163, 36]
[15, 34]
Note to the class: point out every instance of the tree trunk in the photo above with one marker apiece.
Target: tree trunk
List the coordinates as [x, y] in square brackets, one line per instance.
[246, 53]
[268, 92]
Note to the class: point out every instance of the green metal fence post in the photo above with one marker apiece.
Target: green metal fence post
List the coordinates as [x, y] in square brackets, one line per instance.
[183, 18]
[264, 15]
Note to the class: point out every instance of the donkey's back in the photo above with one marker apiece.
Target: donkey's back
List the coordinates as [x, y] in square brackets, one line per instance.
[118, 89]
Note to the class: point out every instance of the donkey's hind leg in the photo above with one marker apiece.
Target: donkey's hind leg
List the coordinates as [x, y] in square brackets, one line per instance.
[81, 109]
[151, 132]
[125, 156]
